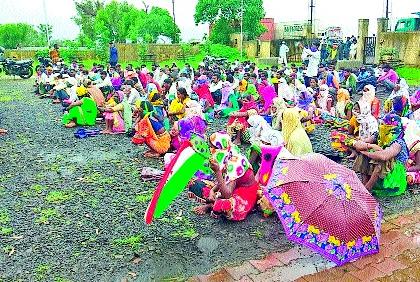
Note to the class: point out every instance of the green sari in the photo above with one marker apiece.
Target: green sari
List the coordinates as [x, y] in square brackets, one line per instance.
[84, 114]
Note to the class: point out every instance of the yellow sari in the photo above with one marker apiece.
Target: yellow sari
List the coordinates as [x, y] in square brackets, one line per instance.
[295, 137]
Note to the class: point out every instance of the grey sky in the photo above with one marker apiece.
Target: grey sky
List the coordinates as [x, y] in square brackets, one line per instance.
[328, 12]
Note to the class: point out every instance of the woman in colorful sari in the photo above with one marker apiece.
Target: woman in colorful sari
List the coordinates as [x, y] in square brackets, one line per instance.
[412, 139]
[81, 112]
[268, 93]
[295, 137]
[279, 105]
[156, 100]
[399, 105]
[151, 131]
[324, 100]
[176, 109]
[229, 101]
[306, 109]
[237, 124]
[252, 90]
[369, 98]
[201, 88]
[343, 108]
[113, 114]
[234, 194]
[383, 166]
[183, 129]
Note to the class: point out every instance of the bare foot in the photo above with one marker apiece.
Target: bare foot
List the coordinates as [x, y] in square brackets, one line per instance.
[71, 124]
[202, 210]
[106, 132]
[3, 131]
[151, 154]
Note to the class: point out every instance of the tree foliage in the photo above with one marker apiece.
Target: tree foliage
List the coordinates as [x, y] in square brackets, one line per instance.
[19, 34]
[118, 21]
[85, 19]
[224, 16]
[45, 36]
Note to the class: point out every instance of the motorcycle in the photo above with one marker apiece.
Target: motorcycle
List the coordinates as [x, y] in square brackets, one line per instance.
[22, 68]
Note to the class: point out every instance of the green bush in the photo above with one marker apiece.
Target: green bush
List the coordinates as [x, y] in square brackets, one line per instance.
[222, 51]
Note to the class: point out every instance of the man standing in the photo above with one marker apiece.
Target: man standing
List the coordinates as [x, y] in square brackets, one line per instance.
[113, 54]
[54, 54]
[283, 53]
[313, 55]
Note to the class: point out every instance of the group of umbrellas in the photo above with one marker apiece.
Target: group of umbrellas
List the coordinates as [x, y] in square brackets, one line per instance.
[321, 204]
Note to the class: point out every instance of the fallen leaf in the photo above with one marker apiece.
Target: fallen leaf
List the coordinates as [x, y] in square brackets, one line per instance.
[97, 231]
[12, 251]
[132, 274]
[17, 237]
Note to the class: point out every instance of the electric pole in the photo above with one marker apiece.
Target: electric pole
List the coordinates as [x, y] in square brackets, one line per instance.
[387, 9]
[311, 20]
[173, 14]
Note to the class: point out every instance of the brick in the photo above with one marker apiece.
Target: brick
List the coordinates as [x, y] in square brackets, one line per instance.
[288, 256]
[347, 278]
[305, 252]
[409, 257]
[368, 273]
[323, 276]
[402, 220]
[400, 245]
[390, 237]
[338, 272]
[389, 265]
[368, 260]
[397, 276]
[272, 275]
[408, 273]
[266, 263]
[219, 276]
[301, 279]
[387, 226]
[244, 279]
[243, 270]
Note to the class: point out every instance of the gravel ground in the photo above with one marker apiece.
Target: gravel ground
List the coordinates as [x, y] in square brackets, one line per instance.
[72, 210]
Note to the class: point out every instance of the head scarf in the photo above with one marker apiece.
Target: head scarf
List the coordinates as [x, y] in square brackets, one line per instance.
[343, 98]
[368, 96]
[268, 93]
[304, 100]
[368, 123]
[400, 106]
[280, 105]
[390, 129]
[323, 97]
[252, 90]
[146, 107]
[194, 125]
[249, 105]
[226, 92]
[232, 163]
[155, 98]
[193, 108]
[284, 90]
[290, 122]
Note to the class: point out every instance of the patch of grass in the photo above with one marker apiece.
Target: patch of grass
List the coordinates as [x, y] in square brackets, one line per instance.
[6, 231]
[411, 75]
[188, 233]
[46, 215]
[5, 220]
[98, 178]
[132, 241]
[257, 233]
[42, 271]
[184, 228]
[8, 248]
[144, 197]
[57, 197]
[61, 279]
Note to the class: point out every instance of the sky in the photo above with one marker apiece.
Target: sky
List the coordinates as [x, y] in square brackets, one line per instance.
[327, 12]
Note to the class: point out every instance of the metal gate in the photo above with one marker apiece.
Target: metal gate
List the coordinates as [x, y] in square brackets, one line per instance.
[369, 50]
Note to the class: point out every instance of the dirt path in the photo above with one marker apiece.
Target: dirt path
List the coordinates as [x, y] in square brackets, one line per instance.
[72, 210]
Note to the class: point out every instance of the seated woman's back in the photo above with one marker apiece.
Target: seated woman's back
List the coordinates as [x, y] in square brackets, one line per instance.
[295, 137]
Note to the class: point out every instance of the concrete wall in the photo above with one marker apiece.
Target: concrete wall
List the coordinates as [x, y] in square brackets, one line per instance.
[407, 44]
[163, 52]
[265, 49]
[251, 48]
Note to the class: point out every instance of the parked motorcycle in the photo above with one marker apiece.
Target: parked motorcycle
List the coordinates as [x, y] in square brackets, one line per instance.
[22, 68]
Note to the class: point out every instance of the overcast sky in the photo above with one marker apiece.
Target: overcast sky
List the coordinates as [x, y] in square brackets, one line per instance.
[328, 12]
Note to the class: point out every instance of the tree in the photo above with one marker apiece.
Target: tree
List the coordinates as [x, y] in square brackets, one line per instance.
[19, 34]
[224, 17]
[118, 21]
[46, 36]
[85, 19]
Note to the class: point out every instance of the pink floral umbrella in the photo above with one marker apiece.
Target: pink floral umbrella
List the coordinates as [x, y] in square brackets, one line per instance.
[324, 206]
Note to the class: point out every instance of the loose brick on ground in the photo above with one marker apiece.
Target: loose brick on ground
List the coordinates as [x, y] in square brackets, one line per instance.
[367, 274]
[219, 276]
[288, 256]
[238, 272]
[389, 265]
[266, 263]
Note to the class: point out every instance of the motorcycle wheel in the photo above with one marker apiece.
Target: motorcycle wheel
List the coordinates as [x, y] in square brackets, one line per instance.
[28, 74]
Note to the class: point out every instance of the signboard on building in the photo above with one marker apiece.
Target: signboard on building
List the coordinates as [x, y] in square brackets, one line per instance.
[291, 30]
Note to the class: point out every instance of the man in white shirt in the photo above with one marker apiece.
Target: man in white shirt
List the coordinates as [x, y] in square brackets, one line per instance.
[216, 88]
[104, 81]
[283, 53]
[133, 95]
[313, 55]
